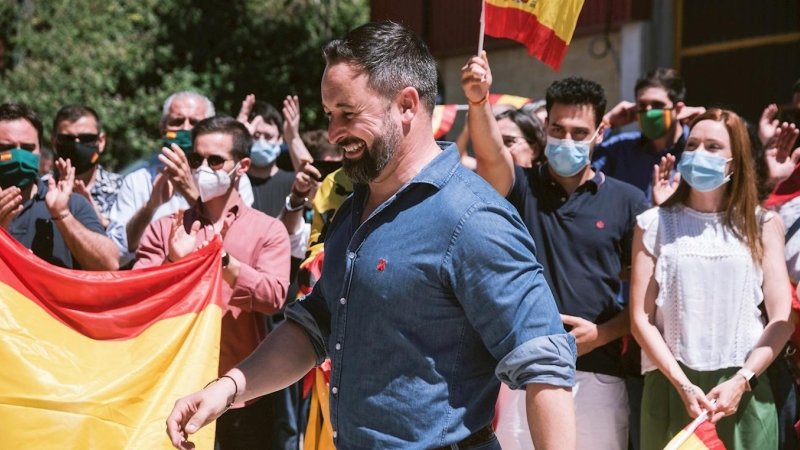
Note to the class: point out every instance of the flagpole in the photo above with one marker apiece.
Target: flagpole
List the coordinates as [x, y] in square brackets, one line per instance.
[483, 22]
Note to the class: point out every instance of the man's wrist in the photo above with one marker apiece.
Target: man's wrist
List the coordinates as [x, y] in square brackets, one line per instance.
[295, 202]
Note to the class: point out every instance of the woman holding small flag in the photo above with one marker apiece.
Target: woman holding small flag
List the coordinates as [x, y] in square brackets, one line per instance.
[703, 262]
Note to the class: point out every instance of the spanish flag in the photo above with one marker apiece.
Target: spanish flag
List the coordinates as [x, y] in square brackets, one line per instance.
[443, 118]
[545, 27]
[698, 435]
[96, 360]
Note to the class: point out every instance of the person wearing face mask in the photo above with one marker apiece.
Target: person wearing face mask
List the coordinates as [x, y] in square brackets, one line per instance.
[703, 262]
[582, 223]
[661, 115]
[77, 136]
[57, 225]
[271, 184]
[165, 184]
[255, 260]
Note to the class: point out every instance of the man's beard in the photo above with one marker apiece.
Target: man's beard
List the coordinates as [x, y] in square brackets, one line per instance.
[373, 159]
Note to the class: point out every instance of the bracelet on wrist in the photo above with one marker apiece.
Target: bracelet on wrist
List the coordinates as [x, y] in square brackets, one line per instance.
[291, 208]
[61, 216]
[235, 389]
[479, 103]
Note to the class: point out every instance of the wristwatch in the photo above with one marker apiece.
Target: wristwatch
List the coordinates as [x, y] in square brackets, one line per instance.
[291, 208]
[750, 377]
[226, 259]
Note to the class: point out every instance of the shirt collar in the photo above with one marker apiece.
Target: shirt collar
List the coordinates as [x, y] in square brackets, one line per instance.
[597, 180]
[234, 210]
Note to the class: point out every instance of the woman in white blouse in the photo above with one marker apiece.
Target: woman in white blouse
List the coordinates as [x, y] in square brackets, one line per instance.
[703, 262]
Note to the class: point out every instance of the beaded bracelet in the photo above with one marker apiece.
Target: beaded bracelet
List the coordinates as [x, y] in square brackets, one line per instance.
[235, 385]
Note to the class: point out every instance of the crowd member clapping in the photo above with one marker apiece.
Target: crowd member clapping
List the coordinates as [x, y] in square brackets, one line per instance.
[59, 226]
[699, 264]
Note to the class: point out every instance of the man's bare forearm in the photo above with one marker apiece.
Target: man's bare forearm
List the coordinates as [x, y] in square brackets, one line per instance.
[284, 357]
[551, 417]
[94, 251]
[137, 225]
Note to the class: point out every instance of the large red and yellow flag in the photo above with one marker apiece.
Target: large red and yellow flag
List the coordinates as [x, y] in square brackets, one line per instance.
[96, 360]
[544, 26]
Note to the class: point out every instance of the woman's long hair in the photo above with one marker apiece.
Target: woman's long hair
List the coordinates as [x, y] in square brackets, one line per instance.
[741, 199]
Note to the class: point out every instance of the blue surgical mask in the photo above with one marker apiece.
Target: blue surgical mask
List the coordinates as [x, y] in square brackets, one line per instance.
[264, 153]
[703, 171]
[568, 157]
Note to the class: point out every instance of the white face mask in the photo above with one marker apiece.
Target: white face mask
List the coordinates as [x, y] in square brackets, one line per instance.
[212, 183]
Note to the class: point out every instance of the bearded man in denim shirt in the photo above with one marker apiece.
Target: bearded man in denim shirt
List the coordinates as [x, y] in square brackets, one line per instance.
[429, 293]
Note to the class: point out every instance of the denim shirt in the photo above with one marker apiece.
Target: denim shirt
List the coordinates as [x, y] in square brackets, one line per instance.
[424, 306]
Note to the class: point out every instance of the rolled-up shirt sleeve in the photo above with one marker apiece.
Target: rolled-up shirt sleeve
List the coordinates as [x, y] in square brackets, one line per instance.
[505, 296]
[262, 287]
[313, 315]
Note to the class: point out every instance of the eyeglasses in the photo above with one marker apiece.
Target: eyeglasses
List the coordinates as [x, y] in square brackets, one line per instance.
[83, 138]
[177, 121]
[509, 141]
[215, 162]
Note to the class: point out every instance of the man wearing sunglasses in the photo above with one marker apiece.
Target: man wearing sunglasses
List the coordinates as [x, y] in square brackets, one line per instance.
[59, 226]
[255, 260]
[166, 185]
[78, 137]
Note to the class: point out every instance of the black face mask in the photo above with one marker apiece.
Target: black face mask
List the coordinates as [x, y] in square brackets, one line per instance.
[82, 156]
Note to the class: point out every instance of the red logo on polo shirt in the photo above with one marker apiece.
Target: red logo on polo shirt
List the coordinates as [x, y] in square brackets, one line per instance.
[381, 265]
[600, 224]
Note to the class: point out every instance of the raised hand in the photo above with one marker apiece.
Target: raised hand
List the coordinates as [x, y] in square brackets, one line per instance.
[244, 112]
[767, 124]
[81, 189]
[178, 171]
[10, 205]
[291, 118]
[781, 160]
[162, 190]
[662, 188]
[621, 115]
[476, 78]
[58, 193]
[181, 243]
[688, 113]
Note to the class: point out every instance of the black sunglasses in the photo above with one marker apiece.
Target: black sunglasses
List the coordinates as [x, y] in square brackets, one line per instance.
[215, 162]
[83, 138]
[176, 121]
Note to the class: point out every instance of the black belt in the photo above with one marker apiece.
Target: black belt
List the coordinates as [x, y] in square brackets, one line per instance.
[478, 437]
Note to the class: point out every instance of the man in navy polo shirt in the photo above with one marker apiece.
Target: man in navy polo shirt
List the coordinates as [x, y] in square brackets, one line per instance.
[60, 227]
[582, 223]
[660, 112]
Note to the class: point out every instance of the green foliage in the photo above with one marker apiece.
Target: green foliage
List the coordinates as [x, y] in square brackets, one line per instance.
[125, 57]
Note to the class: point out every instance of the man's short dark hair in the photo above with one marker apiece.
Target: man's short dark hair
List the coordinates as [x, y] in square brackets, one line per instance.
[242, 141]
[393, 58]
[74, 113]
[10, 111]
[578, 91]
[269, 113]
[320, 146]
[667, 79]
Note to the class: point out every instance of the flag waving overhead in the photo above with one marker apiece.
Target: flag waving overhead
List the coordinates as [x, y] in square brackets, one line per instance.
[97, 359]
[545, 27]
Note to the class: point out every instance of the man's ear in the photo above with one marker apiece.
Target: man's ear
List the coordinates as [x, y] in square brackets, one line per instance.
[101, 142]
[244, 166]
[408, 102]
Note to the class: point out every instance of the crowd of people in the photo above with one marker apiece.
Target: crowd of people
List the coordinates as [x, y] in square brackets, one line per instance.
[550, 279]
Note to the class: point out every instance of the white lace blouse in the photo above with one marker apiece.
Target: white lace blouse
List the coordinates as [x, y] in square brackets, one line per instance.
[709, 288]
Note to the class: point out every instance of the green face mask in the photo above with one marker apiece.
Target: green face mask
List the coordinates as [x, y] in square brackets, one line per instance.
[18, 168]
[183, 138]
[656, 122]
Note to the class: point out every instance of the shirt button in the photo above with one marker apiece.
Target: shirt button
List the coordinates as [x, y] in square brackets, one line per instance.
[352, 255]
[338, 346]
[563, 199]
[334, 434]
[343, 300]
[335, 390]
